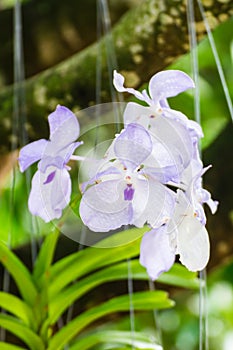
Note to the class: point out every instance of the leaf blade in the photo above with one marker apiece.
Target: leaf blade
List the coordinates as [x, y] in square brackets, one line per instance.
[139, 341]
[65, 271]
[17, 307]
[141, 300]
[24, 333]
[19, 272]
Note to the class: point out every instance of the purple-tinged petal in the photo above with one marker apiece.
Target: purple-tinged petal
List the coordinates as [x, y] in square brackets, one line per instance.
[49, 161]
[205, 197]
[133, 145]
[103, 207]
[194, 128]
[99, 221]
[118, 82]
[31, 153]
[175, 138]
[155, 252]
[164, 103]
[53, 156]
[112, 171]
[64, 127]
[164, 174]
[47, 200]
[61, 191]
[68, 151]
[168, 83]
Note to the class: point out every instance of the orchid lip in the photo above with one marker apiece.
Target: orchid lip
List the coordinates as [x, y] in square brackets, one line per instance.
[129, 193]
[50, 177]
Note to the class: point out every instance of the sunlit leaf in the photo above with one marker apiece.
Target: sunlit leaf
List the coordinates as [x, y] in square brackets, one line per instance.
[24, 333]
[20, 274]
[8, 346]
[179, 276]
[137, 340]
[17, 307]
[45, 256]
[90, 259]
[141, 301]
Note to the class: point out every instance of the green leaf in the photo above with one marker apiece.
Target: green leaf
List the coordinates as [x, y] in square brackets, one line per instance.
[45, 256]
[17, 307]
[141, 301]
[24, 333]
[179, 276]
[8, 346]
[138, 340]
[20, 274]
[90, 259]
[66, 297]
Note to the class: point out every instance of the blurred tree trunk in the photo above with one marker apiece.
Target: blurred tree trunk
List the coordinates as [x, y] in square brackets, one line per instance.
[146, 39]
[53, 30]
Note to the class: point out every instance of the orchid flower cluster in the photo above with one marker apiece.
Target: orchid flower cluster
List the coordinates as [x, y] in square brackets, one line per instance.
[151, 175]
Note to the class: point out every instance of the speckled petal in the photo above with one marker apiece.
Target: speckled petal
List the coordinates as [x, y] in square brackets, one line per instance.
[133, 145]
[63, 125]
[103, 207]
[169, 83]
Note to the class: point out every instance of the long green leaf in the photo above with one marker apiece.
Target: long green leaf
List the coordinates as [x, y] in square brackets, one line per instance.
[17, 307]
[179, 276]
[8, 346]
[20, 274]
[138, 341]
[92, 258]
[141, 301]
[66, 297]
[45, 257]
[24, 333]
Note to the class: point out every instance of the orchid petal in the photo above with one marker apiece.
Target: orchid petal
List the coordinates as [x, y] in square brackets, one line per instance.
[103, 207]
[118, 82]
[164, 174]
[175, 139]
[64, 127]
[168, 84]
[155, 252]
[213, 205]
[54, 156]
[135, 113]
[160, 202]
[112, 171]
[31, 153]
[193, 244]
[133, 145]
[48, 199]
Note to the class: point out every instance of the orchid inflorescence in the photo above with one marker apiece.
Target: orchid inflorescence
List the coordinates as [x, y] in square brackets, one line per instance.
[150, 174]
